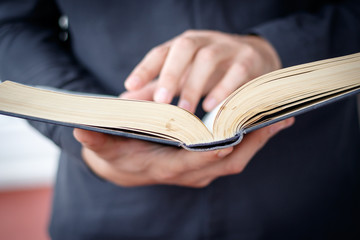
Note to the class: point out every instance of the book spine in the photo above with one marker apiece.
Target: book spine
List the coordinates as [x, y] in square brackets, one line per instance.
[201, 147]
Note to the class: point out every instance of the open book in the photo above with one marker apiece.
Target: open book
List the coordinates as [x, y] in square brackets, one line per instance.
[262, 101]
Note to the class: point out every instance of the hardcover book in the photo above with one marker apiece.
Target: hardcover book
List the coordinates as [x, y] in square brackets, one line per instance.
[265, 100]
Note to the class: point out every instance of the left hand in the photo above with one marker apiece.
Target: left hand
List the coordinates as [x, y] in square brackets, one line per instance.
[198, 63]
[131, 162]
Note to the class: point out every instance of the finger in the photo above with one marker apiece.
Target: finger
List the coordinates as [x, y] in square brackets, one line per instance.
[191, 170]
[237, 75]
[146, 93]
[100, 143]
[178, 60]
[205, 65]
[168, 169]
[148, 69]
[106, 170]
[236, 161]
[89, 138]
[245, 151]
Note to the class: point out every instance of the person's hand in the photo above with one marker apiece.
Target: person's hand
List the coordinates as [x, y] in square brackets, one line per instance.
[131, 162]
[199, 63]
[192, 65]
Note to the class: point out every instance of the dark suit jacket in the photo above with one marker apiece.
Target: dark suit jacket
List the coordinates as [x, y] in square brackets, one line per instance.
[303, 184]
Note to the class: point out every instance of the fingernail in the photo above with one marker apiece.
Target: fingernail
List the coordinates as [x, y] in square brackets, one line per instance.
[133, 82]
[162, 96]
[224, 152]
[210, 104]
[184, 104]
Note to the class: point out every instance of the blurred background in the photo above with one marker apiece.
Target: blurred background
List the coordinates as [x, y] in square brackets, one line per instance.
[28, 163]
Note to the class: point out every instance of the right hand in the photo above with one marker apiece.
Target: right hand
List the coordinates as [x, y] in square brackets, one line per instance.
[201, 63]
[131, 162]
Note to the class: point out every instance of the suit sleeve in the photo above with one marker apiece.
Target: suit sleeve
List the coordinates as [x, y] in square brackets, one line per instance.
[31, 53]
[331, 31]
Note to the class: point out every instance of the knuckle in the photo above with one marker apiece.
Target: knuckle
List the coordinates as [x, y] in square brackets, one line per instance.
[185, 42]
[208, 54]
[241, 68]
[158, 50]
[189, 32]
[234, 167]
[248, 50]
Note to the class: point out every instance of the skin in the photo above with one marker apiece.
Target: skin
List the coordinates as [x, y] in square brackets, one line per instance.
[192, 65]
[202, 63]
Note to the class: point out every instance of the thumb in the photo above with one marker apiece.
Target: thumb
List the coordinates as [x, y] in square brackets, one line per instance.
[254, 141]
[103, 145]
[90, 139]
[261, 136]
[277, 127]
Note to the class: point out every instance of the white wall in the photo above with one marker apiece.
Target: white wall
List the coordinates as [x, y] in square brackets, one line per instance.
[27, 159]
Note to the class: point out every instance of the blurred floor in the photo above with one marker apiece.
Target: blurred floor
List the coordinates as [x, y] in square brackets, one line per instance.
[28, 164]
[25, 214]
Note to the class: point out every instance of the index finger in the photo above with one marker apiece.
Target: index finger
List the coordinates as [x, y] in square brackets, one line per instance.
[148, 69]
[179, 59]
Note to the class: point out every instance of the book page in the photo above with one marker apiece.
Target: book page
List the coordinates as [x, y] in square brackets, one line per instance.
[209, 118]
[148, 118]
